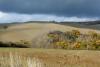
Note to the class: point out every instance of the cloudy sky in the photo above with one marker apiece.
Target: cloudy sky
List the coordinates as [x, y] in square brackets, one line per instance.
[48, 10]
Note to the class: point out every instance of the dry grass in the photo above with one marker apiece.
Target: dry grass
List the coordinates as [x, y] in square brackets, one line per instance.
[32, 31]
[10, 57]
[15, 60]
[29, 57]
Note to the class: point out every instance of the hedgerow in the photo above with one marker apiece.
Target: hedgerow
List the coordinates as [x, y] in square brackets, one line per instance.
[20, 44]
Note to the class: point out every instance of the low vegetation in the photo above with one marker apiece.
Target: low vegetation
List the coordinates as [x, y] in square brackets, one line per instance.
[74, 40]
[20, 44]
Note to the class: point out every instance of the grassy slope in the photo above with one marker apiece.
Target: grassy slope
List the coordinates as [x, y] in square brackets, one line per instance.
[34, 31]
[49, 57]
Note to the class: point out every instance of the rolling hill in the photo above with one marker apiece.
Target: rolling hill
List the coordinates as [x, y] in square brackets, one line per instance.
[36, 32]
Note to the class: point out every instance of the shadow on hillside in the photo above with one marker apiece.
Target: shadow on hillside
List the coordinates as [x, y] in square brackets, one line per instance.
[79, 25]
[11, 44]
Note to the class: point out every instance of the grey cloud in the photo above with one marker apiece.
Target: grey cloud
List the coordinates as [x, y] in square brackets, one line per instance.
[81, 8]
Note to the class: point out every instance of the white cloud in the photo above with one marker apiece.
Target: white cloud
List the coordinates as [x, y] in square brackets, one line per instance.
[16, 17]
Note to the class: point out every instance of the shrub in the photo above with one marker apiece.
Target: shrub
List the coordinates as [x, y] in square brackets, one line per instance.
[18, 45]
[3, 44]
[51, 35]
[98, 42]
[75, 40]
[70, 36]
[77, 45]
[24, 43]
[76, 32]
[55, 36]
[21, 44]
[5, 27]
[62, 44]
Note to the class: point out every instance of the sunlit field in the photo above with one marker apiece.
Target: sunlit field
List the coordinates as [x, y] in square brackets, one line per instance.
[29, 57]
[49, 33]
[57, 45]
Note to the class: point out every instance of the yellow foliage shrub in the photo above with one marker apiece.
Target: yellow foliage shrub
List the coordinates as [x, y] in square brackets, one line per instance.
[62, 44]
[76, 32]
[77, 45]
[98, 44]
[51, 35]
[75, 39]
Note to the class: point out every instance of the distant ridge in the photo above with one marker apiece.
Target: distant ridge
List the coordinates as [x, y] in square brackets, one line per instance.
[65, 22]
[90, 22]
[83, 22]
